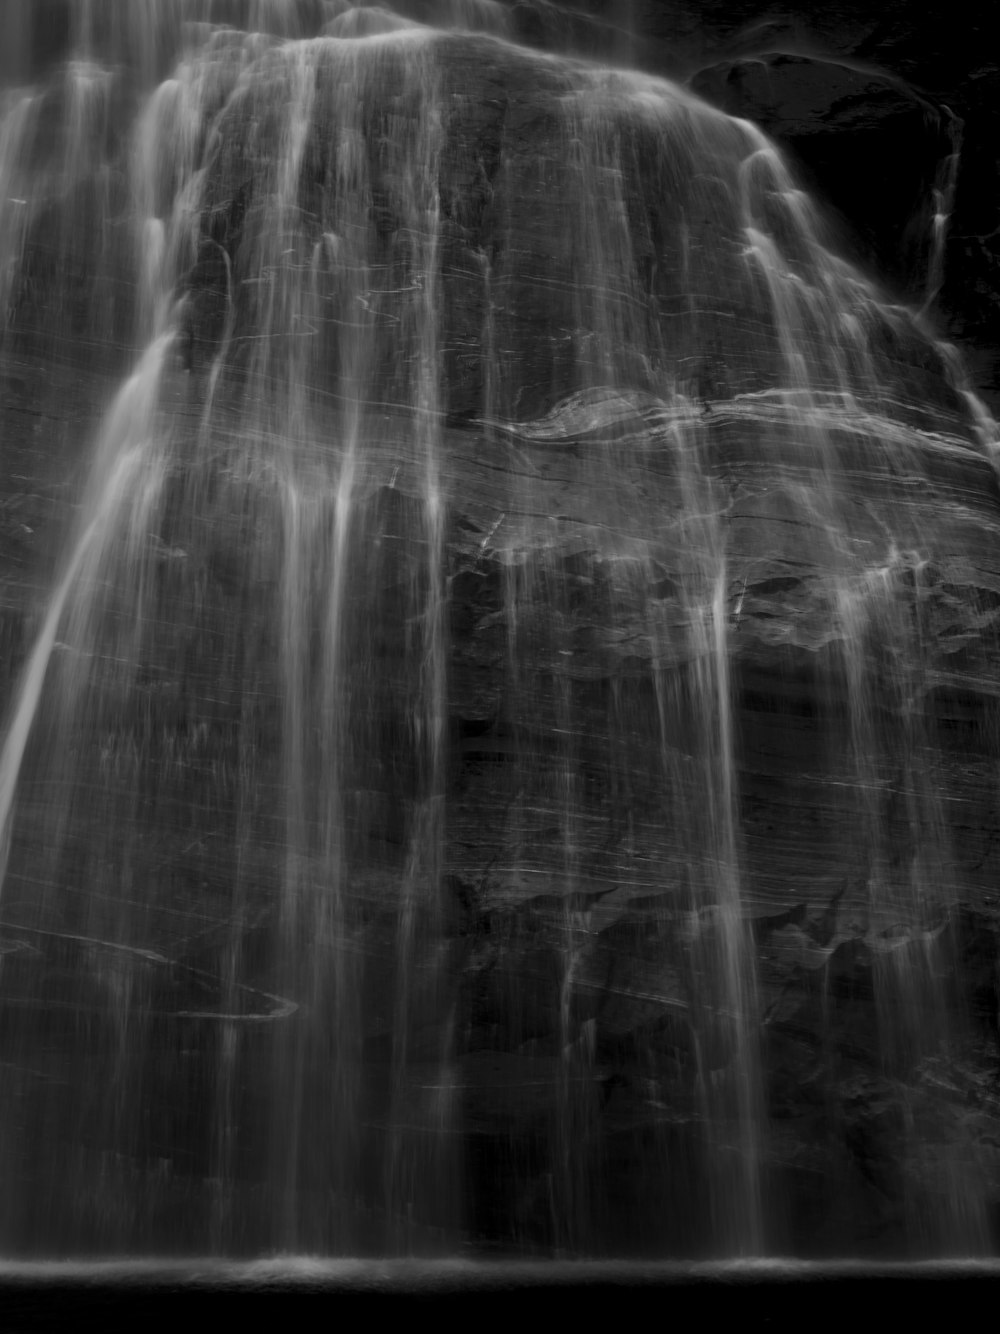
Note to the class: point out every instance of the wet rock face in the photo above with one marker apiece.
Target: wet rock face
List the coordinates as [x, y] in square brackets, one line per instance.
[872, 105]
[864, 140]
[592, 717]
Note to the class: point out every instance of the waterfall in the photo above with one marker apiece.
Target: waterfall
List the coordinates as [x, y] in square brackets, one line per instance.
[451, 457]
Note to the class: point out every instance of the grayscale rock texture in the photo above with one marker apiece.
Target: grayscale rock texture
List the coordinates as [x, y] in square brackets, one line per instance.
[868, 102]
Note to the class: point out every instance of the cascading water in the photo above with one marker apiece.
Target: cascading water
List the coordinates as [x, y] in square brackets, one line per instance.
[381, 866]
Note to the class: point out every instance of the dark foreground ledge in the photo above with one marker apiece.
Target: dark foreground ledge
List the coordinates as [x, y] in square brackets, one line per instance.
[769, 1294]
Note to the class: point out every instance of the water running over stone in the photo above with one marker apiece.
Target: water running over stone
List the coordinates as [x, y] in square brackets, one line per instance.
[379, 874]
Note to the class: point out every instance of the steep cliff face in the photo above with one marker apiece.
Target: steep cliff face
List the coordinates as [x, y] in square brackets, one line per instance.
[535, 707]
[890, 117]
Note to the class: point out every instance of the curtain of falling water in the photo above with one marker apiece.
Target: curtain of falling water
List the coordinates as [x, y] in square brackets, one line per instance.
[903, 844]
[225, 777]
[608, 139]
[342, 577]
[905, 855]
[352, 564]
